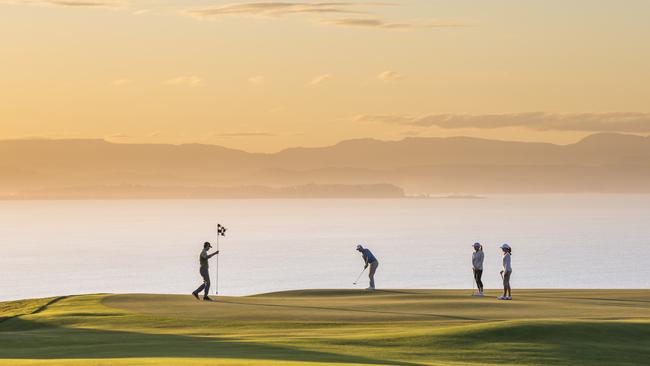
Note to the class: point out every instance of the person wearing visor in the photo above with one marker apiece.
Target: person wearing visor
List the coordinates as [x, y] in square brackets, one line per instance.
[204, 271]
[506, 271]
[371, 261]
[477, 267]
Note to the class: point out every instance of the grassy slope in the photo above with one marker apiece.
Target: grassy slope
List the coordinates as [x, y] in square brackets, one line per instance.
[402, 327]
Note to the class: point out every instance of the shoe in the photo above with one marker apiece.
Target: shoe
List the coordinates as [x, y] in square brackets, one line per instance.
[508, 297]
[480, 294]
[206, 298]
[196, 295]
[502, 298]
[370, 289]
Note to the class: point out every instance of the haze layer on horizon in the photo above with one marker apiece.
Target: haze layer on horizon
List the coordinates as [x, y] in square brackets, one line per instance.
[262, 76]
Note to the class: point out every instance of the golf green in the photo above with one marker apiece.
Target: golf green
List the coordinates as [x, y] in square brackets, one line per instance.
[342, 327]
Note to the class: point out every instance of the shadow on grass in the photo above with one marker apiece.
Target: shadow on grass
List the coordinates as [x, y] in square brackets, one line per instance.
[369, 311]
[531, 343]
[51, 302]
[599, 299]
[24, 339]
[36, 311]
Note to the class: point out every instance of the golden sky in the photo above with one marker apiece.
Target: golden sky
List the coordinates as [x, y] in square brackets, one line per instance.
[262, 76]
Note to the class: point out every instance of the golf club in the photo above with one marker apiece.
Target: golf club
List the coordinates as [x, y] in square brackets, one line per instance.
[358, 278]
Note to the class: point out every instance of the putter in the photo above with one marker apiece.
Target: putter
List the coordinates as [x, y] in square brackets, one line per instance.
[358, 278]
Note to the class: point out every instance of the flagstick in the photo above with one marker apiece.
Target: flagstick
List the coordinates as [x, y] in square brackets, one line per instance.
[216, 277]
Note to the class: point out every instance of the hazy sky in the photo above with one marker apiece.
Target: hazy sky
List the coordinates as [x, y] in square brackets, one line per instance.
[262, 76]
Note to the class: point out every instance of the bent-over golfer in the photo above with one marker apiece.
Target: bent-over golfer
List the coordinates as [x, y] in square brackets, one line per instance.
[371, 261]
[205, 273]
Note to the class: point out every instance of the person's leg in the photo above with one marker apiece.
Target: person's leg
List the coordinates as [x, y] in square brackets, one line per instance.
[207, 287]
[206, 281]
[198, 290]
[478, 274]
[507, 283]
[371, 273]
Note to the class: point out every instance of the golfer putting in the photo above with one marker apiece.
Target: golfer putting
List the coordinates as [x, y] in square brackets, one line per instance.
[371, 261]
[205, 272]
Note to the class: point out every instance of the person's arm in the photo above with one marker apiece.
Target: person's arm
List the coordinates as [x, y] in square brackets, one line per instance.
[213, 254]
[365, 260]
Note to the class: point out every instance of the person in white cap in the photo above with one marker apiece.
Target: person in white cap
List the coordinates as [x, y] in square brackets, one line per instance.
[477, 267]
[371, 261]
[506, 272]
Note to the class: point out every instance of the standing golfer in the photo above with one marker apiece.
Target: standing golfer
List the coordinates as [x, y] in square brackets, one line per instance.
[371, 261]
[477, 266]
[506, 272]
[205, 273]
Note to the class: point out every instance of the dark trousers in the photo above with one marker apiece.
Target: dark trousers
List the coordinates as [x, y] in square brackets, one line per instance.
[478, 273]
[206, 282]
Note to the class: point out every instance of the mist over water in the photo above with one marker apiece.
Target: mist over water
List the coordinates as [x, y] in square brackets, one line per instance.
[50, 248]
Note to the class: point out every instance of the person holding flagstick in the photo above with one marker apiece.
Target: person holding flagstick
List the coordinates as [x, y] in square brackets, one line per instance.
[477, 268]
[204, 272]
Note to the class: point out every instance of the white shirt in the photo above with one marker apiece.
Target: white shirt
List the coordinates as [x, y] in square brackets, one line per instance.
[477, 260]
[507, 267]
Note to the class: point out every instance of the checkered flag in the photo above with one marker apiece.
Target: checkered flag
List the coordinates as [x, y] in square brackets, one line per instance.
[221, 230]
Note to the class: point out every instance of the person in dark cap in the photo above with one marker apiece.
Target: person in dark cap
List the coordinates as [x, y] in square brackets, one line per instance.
[477, 266]
[205, 273]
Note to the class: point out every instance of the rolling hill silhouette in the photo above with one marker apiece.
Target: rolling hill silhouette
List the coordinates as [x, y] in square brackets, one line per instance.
[59, 168]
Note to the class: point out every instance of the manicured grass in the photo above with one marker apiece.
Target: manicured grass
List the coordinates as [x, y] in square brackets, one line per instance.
[345, 327]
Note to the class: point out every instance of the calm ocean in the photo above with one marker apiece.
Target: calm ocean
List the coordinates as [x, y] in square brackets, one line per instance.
[151, 246]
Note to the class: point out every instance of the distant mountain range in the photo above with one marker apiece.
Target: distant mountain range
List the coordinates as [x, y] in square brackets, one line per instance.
[599, 163]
